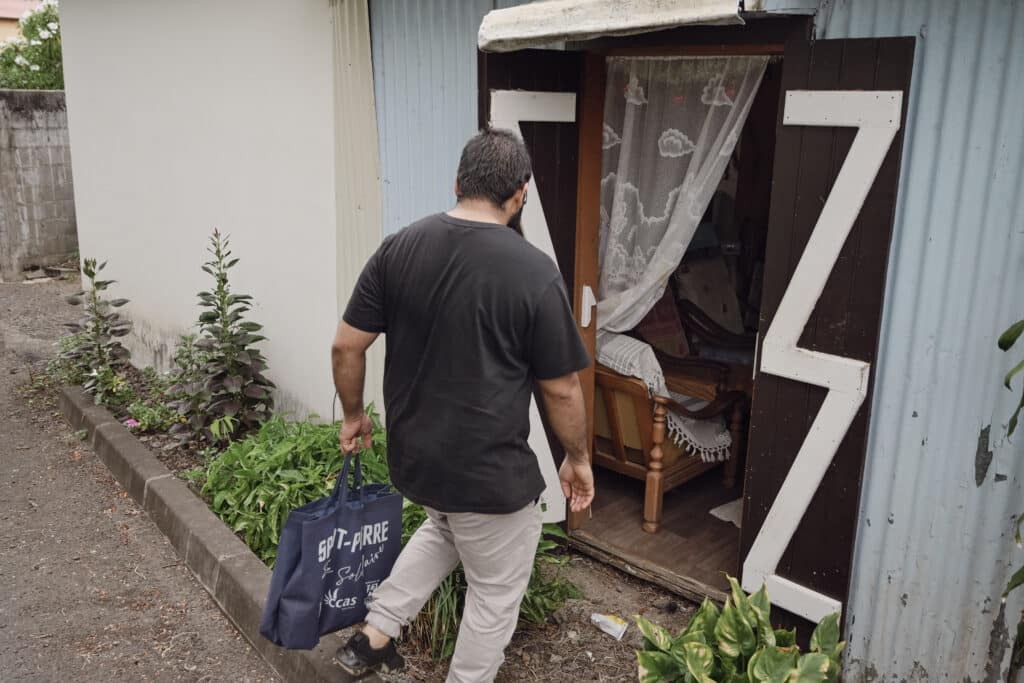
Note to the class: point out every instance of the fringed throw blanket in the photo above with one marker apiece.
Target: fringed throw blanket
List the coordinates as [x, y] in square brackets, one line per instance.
[627, 356]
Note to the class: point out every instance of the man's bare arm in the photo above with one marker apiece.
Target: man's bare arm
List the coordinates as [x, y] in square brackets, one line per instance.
[563, 401]
[348, 362]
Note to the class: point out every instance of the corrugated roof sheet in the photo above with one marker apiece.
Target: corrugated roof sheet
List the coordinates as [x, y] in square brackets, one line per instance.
[943, 482]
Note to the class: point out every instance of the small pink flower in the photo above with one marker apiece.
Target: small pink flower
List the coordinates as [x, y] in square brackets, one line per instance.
[131, 422]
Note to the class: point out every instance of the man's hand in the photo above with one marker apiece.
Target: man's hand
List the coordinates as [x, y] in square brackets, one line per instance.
[351, 429]
[577, 483]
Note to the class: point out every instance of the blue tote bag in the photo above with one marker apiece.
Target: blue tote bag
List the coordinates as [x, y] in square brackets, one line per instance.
[332, 555]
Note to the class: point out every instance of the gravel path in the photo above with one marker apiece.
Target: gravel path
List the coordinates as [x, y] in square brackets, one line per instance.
[90, 590]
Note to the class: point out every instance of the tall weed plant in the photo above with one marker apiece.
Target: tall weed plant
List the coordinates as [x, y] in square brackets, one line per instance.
[232, 396]
[93, 348]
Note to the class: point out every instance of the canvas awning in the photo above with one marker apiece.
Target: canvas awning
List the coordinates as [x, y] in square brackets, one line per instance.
[552, 21]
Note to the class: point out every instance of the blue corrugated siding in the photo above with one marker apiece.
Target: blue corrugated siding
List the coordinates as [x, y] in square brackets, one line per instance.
[934, 548]
[424, 69]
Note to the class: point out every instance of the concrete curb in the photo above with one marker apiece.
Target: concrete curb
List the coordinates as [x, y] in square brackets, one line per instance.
[234, 577]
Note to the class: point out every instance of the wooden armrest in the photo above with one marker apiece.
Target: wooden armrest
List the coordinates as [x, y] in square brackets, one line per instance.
[687, 371]
[713, 409]
[692, 365]
[703, 326]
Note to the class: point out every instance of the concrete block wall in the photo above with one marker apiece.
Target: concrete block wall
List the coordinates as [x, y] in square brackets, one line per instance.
[37, 203]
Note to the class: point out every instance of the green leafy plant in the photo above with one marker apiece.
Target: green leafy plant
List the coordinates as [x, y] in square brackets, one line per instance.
[436, 628]
[33, 60]
[63, 369]
[59, 371]
[232, 384]
[94, 348]
[1006, 341]
[111, 389]
[188, 361]
[185, 393]
[257, 480]
[150, 412]
[547, 590]
[737, 644]
[152, 416]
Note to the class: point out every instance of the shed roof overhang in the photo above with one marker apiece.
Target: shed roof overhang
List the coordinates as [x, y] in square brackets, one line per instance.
[552, 21]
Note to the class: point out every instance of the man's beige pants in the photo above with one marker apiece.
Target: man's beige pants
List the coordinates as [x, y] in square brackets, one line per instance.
[497, 553]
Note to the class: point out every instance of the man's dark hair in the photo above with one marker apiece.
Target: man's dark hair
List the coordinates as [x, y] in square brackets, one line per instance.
[494, 164]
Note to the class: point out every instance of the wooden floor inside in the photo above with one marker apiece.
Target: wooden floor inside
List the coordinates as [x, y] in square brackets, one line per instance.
[691, 544]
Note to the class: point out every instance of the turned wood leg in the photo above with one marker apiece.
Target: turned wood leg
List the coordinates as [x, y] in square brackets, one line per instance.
[655, 485]
[736, 423]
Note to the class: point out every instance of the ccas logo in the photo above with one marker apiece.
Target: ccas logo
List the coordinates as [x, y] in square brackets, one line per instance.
[332, 600]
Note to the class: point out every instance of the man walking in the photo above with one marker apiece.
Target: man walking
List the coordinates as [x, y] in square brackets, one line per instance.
[473, 315]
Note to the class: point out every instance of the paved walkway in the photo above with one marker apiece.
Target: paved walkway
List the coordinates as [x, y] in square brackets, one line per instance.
[90, 590]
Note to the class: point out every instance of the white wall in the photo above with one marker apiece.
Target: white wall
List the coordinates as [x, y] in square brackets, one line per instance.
[190, 115]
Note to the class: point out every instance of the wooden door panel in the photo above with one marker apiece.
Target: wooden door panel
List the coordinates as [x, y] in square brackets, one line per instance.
[554, 147]
[846, 318]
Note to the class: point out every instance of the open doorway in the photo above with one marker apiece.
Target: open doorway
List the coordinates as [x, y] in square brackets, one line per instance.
[670, 468]
[799, 521]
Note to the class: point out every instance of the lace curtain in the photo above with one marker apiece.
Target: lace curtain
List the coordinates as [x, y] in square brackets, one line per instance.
[670, 126]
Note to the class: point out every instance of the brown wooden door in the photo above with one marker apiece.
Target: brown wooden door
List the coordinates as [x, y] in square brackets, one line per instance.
[832, 336]
[554, 143]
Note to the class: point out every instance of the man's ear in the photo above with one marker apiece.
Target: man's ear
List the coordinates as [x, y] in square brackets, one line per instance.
[512, 204]
[457, 192]
[520, 194]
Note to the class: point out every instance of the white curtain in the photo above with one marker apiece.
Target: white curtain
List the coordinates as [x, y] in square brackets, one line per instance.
[670, 127]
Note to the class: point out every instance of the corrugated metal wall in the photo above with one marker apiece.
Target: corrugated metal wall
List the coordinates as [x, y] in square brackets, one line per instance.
[943, 482]
[424, 71]
[357, 164]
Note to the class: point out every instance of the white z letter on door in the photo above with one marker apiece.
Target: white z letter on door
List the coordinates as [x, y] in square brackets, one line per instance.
[508, 108]
[876, 115]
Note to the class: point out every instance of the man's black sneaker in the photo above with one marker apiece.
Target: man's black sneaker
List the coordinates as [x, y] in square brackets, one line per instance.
[357, 657]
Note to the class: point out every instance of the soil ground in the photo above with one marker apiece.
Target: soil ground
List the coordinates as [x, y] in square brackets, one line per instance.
[569, 647]
[94, 592]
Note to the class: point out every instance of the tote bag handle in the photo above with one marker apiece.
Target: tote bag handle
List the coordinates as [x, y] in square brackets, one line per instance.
[341, 483]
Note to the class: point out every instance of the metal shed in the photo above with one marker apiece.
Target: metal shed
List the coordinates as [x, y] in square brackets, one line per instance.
[942, 483]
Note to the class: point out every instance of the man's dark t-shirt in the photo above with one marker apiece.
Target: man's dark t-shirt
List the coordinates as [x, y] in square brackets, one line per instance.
[472, 314]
